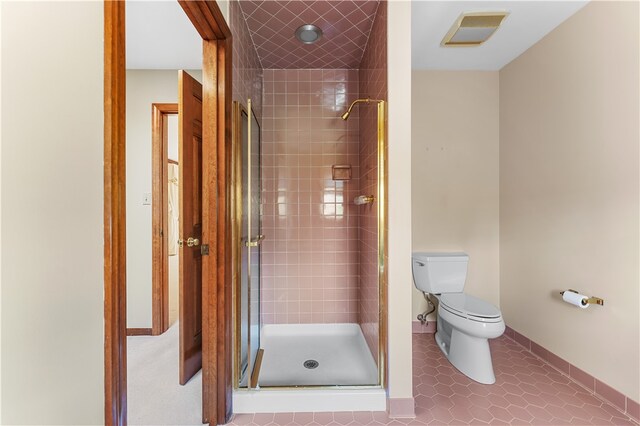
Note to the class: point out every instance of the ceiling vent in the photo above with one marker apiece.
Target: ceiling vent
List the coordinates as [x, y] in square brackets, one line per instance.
[473, 28]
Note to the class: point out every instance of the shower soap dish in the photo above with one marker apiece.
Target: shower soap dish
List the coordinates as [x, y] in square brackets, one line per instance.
[341, 172]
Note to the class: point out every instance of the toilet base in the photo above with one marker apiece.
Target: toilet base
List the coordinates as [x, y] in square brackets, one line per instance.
[470, 355]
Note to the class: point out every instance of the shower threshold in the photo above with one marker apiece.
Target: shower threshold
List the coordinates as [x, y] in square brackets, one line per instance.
[308, 400]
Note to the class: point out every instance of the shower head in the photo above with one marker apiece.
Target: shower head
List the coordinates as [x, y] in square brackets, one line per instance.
[346, 115]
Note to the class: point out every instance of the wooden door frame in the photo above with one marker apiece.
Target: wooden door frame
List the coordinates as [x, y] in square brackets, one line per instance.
[160, 216]
[216, 286]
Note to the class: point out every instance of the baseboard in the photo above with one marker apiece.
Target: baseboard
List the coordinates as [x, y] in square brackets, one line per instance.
[601, 390]
[138, 332]
[418, 327]
[401, 408]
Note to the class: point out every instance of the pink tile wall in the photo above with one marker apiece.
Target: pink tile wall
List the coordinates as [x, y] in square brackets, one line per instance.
[246, 83]
[247, 71]
[310, 255]
[373, 84]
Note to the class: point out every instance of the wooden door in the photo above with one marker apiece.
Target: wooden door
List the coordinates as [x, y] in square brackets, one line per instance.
[208, 20]
[190, 159]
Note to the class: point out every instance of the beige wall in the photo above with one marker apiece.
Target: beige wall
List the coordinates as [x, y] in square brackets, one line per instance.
[144, 87]
[0, 219]
[569, 182]
[399, 199]
[454, 163]
[52, 257]
[224, 8]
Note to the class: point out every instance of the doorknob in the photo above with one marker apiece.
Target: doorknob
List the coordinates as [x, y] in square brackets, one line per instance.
[191, 242]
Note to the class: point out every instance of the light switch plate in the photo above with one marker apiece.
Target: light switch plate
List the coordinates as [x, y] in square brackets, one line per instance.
[146, 199]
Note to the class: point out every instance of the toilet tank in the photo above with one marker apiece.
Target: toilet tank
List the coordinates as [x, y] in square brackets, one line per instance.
[437, 273]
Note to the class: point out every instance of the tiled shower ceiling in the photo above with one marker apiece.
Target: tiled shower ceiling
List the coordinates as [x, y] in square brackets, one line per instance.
[345, 25]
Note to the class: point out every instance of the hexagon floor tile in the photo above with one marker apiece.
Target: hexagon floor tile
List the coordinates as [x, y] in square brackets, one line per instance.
[527, 391]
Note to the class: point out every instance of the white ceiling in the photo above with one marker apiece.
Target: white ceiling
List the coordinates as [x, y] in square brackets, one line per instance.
[528, 22]
[160, 36]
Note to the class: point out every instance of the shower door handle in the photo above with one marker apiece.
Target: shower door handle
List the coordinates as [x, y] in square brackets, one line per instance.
[254, 243]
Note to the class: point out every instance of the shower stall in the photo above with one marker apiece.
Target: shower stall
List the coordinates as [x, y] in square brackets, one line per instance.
[248, 238]
[309, 209]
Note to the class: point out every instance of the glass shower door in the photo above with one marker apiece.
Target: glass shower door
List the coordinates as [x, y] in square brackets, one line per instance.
[251, 243]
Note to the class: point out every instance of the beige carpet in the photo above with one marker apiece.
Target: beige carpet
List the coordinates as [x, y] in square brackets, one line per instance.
[155, 396]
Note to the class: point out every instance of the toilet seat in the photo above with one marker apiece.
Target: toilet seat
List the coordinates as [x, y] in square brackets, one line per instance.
[469, 307]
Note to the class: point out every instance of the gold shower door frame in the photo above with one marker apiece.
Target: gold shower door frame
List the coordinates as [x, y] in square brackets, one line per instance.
[236, 224]
[382, 243]
[236, 215]
[237, 244]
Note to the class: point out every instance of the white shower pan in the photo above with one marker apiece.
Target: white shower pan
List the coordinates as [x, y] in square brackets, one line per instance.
[313, 367]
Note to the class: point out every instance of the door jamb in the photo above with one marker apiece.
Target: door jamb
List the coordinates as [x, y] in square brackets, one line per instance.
[115, 270]
[216, 310]
[159, 216]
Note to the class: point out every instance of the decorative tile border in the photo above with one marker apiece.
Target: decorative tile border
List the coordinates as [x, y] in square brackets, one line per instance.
[401, 408]
[418, 328]
[593, 385]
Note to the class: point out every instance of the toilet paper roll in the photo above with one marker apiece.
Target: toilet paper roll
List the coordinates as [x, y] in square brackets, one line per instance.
[575, 299]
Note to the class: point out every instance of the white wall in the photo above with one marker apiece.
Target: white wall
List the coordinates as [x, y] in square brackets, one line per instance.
[455, 179]
[399, 199]
[52, 219]
[174, 261]
[569, 186]
[0, 218]
[144, 87]
[224, 8]
[172, 143]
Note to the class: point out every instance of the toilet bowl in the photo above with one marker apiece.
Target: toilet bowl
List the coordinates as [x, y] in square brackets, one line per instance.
[465, 323]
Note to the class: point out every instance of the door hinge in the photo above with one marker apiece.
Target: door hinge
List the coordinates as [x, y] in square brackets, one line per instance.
[204, 249]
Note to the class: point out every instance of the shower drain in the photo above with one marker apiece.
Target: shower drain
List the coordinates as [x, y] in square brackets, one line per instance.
[311, 364]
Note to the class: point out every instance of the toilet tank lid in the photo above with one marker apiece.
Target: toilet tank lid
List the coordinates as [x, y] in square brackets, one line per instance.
[441, 257]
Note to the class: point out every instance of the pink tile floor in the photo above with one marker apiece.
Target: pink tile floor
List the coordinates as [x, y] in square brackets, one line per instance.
[527, 391]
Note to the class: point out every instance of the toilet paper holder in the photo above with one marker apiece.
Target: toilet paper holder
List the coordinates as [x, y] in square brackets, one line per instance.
[588, 300]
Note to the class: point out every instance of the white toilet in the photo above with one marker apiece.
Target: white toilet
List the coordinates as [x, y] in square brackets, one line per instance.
[464, 322]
